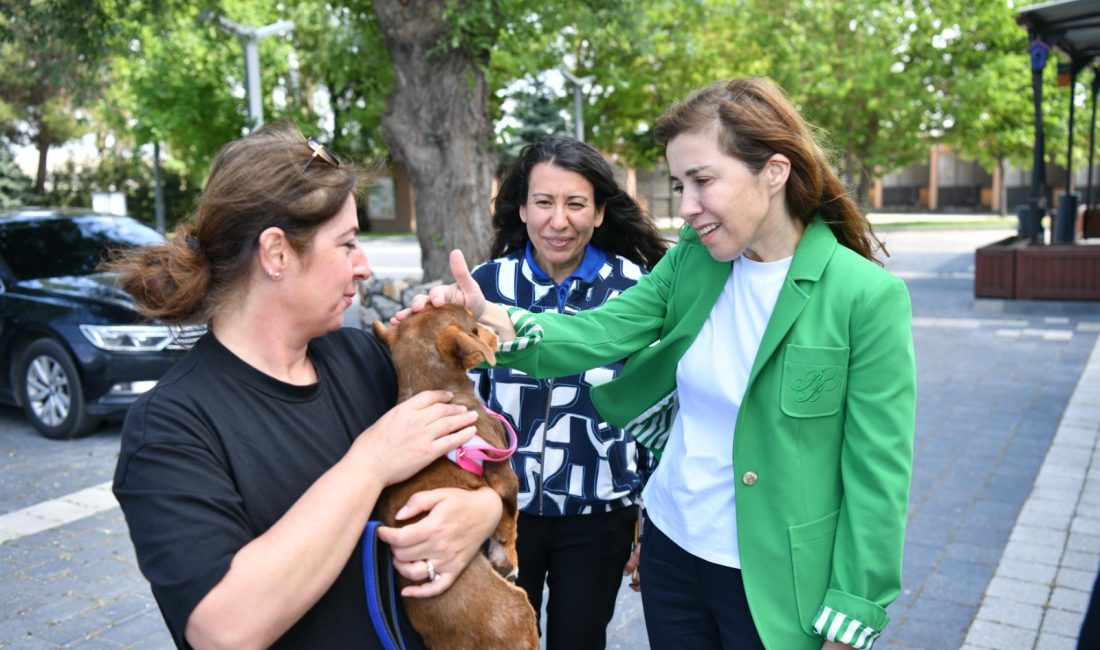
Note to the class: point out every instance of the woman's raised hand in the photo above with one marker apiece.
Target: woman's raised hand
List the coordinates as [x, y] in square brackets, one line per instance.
[464, 291]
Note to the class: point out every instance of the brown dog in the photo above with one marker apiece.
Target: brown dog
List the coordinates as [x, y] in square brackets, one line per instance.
[432, 350]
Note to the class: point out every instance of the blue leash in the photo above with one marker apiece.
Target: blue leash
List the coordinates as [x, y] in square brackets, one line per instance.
[381, 592]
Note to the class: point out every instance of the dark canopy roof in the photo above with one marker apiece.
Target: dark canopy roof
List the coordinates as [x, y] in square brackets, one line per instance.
[1070, 26]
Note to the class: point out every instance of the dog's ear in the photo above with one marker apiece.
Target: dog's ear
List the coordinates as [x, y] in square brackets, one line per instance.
[488, 337]
[387, 335]
[459, 345]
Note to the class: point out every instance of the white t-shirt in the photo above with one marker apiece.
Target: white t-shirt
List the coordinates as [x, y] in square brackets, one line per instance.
[690, 495]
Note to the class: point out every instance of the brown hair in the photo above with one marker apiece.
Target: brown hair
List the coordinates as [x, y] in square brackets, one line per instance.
[754, 121]
[256, 182]
[626, 229]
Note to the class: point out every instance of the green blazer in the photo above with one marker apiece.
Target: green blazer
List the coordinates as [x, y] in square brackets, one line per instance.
[822, 445]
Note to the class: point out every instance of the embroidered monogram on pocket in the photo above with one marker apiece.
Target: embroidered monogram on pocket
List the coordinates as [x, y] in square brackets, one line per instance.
[810, 387]
[813, 380]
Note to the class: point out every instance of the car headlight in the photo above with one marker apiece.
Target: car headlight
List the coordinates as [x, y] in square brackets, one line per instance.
[127, 338]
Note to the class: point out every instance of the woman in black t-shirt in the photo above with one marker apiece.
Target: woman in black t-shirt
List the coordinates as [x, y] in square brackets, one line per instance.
[248, 473]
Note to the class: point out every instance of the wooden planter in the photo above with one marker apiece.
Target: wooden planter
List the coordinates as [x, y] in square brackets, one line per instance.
[995, 268]
[1012, 268]
[1091, 224]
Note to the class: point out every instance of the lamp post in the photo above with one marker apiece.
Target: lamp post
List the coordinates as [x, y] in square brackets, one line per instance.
[578, 84]
[249, 37]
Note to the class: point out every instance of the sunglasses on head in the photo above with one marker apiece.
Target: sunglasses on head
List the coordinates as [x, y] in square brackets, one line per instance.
[319, 151]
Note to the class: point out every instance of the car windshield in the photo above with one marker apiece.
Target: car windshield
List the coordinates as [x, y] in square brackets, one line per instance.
[55, 247]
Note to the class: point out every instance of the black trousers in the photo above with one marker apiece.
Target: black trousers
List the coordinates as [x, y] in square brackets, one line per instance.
[580, 558]
[691, 603]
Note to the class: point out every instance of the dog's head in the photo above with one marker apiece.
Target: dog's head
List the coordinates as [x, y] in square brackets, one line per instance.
[450, 330]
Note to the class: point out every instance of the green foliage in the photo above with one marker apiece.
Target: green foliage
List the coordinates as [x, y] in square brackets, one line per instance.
[132, 175]
[536, 115]
[50, 57]
[180, 78]
[341, 51]
[883, 78]
[986, 84]
[15, 187]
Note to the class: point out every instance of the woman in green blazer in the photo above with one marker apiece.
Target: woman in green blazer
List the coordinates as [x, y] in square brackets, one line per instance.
[770, 365]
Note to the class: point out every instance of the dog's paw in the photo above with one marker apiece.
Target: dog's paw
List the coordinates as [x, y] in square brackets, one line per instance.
[502, 563]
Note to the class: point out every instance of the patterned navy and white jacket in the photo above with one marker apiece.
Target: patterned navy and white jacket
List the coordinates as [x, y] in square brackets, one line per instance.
[569, 461]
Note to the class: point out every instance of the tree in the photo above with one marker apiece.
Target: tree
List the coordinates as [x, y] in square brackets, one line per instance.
[860, 70]
[536, 114]
[988, 98]
[50, 64]
[437, 121]
[343, 58]
[180, 79]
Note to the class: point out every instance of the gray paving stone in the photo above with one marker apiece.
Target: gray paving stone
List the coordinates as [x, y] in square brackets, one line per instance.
[1070, 600]
[918, 635]
[954, 589]
[1040, 536]
[1081, 560]
[1036, 553]
[1075, 579]
[25, 641]
[1032, 593]
[1056, 642]
[1085, 525]
[1027, 571]
[1050, 508]
[1011, 612]
[1057, 621]
[1083, 542]
[997, 636]
[976, 553]
[135, 631]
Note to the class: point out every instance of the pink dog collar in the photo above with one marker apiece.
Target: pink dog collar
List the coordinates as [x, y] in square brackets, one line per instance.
[472, 455]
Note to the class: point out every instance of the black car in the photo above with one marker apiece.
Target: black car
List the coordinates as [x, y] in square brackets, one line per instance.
[73, 351]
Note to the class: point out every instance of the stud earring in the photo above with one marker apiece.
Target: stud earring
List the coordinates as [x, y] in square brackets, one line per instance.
[274, 275]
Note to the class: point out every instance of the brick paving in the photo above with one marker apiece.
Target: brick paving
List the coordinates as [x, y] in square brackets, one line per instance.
[1004, 524]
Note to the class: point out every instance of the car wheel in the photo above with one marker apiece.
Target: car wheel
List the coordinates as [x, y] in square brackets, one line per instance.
[52, 396]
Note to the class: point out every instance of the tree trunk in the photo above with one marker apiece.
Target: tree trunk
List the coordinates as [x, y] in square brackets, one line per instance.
[1003, 199]
[437, 126]
[42, 140]
[857, 180]
[863, 190]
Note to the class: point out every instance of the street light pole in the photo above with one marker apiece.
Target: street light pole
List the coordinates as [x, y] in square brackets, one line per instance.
[578, 84]
[249, 37]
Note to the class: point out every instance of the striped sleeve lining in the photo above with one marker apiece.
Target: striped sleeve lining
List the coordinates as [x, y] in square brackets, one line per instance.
[528, 331]
[651, 427]
[836, 626]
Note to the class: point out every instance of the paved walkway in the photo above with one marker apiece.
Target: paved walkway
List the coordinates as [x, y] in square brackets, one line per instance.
[1004, 530]
[1042, 584]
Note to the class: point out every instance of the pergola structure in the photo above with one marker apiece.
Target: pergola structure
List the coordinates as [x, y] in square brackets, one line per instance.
[1024, 266]
[1072, 28]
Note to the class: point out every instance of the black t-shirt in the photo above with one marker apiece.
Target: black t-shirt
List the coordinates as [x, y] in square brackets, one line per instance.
[218, 452]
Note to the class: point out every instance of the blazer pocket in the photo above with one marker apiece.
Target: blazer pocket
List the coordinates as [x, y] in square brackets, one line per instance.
[814, 380]
[812, 565]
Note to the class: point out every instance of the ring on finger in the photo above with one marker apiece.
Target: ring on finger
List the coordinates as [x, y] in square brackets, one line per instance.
[432, 575]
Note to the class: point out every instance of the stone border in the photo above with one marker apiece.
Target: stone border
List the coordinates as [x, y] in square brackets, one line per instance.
[1041, 588]
[381, 298]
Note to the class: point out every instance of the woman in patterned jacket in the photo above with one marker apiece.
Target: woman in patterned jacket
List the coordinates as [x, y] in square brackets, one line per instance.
[567, 238]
